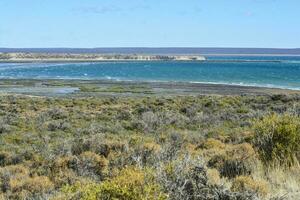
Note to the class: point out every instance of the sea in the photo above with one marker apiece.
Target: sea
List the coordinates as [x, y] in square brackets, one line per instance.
[262, 71]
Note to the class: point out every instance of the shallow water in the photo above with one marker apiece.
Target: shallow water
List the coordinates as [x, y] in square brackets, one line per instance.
[40, 90]
[265, 71]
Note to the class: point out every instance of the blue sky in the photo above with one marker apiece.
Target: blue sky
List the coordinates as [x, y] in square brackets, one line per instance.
[150, 23]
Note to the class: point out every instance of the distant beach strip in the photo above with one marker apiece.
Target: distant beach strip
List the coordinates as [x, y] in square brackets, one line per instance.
[67, 57]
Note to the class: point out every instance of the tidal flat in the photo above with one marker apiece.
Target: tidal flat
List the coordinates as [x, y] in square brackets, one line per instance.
[86, 88]
[85, 139]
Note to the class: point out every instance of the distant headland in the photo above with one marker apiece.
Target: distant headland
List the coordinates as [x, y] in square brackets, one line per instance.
[132, 54]
[160, 51]
[91, 57]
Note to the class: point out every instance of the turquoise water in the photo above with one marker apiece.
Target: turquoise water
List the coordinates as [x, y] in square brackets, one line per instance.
[277, 72]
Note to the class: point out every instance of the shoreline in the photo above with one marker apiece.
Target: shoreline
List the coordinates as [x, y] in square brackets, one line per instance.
[132, 60]
[83, 88]
[120, 81]
[253, 55]
[92, 61]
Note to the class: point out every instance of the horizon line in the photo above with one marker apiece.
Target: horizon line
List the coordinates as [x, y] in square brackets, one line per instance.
[166, 47]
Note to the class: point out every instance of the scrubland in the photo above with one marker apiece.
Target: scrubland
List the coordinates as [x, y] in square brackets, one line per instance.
[146, 148]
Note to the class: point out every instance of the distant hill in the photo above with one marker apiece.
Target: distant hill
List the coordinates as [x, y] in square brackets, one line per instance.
[156, 50]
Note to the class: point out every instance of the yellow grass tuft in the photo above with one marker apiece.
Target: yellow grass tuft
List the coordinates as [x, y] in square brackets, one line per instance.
[246, 183]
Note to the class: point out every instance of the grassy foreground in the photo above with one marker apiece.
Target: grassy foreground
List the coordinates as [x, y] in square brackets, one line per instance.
[146, 148]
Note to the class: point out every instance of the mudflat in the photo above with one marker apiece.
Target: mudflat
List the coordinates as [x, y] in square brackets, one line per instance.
[82, 88]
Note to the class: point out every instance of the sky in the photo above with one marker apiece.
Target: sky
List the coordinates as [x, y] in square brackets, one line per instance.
[149, 23]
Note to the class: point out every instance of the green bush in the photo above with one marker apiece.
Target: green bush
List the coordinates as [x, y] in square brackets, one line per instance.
[277, 138]
[129, 184]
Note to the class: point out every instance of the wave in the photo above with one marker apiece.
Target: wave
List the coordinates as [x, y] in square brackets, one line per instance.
[292, 61]
[28, 66]
[248, 85]
[9, 66]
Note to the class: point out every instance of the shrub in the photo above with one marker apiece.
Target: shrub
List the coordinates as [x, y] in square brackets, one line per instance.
[57, 113]
[217, 161]
[4, 127]
[124, 115]
[58, 125]
[11, 172]
[63, 170]
[146, 153]
[17, 183]
[242, 151]
[247, 184]
[87, 164]
[79, 145]
[189, 111]
[5, 158]
[277, 138]
[14, 169]
[213, 176]
[150, 121]
[188, 179]
[212, 144]
[232, 168]
[34, 185]
[130, 184]
[172, 147]
[97, 144]
[91, 163]
[82, 191]
[233, 160]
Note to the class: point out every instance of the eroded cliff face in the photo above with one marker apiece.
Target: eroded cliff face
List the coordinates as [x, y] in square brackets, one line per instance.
[92, 57]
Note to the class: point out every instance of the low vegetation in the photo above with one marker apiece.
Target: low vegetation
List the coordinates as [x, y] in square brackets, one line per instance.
[148, 148]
